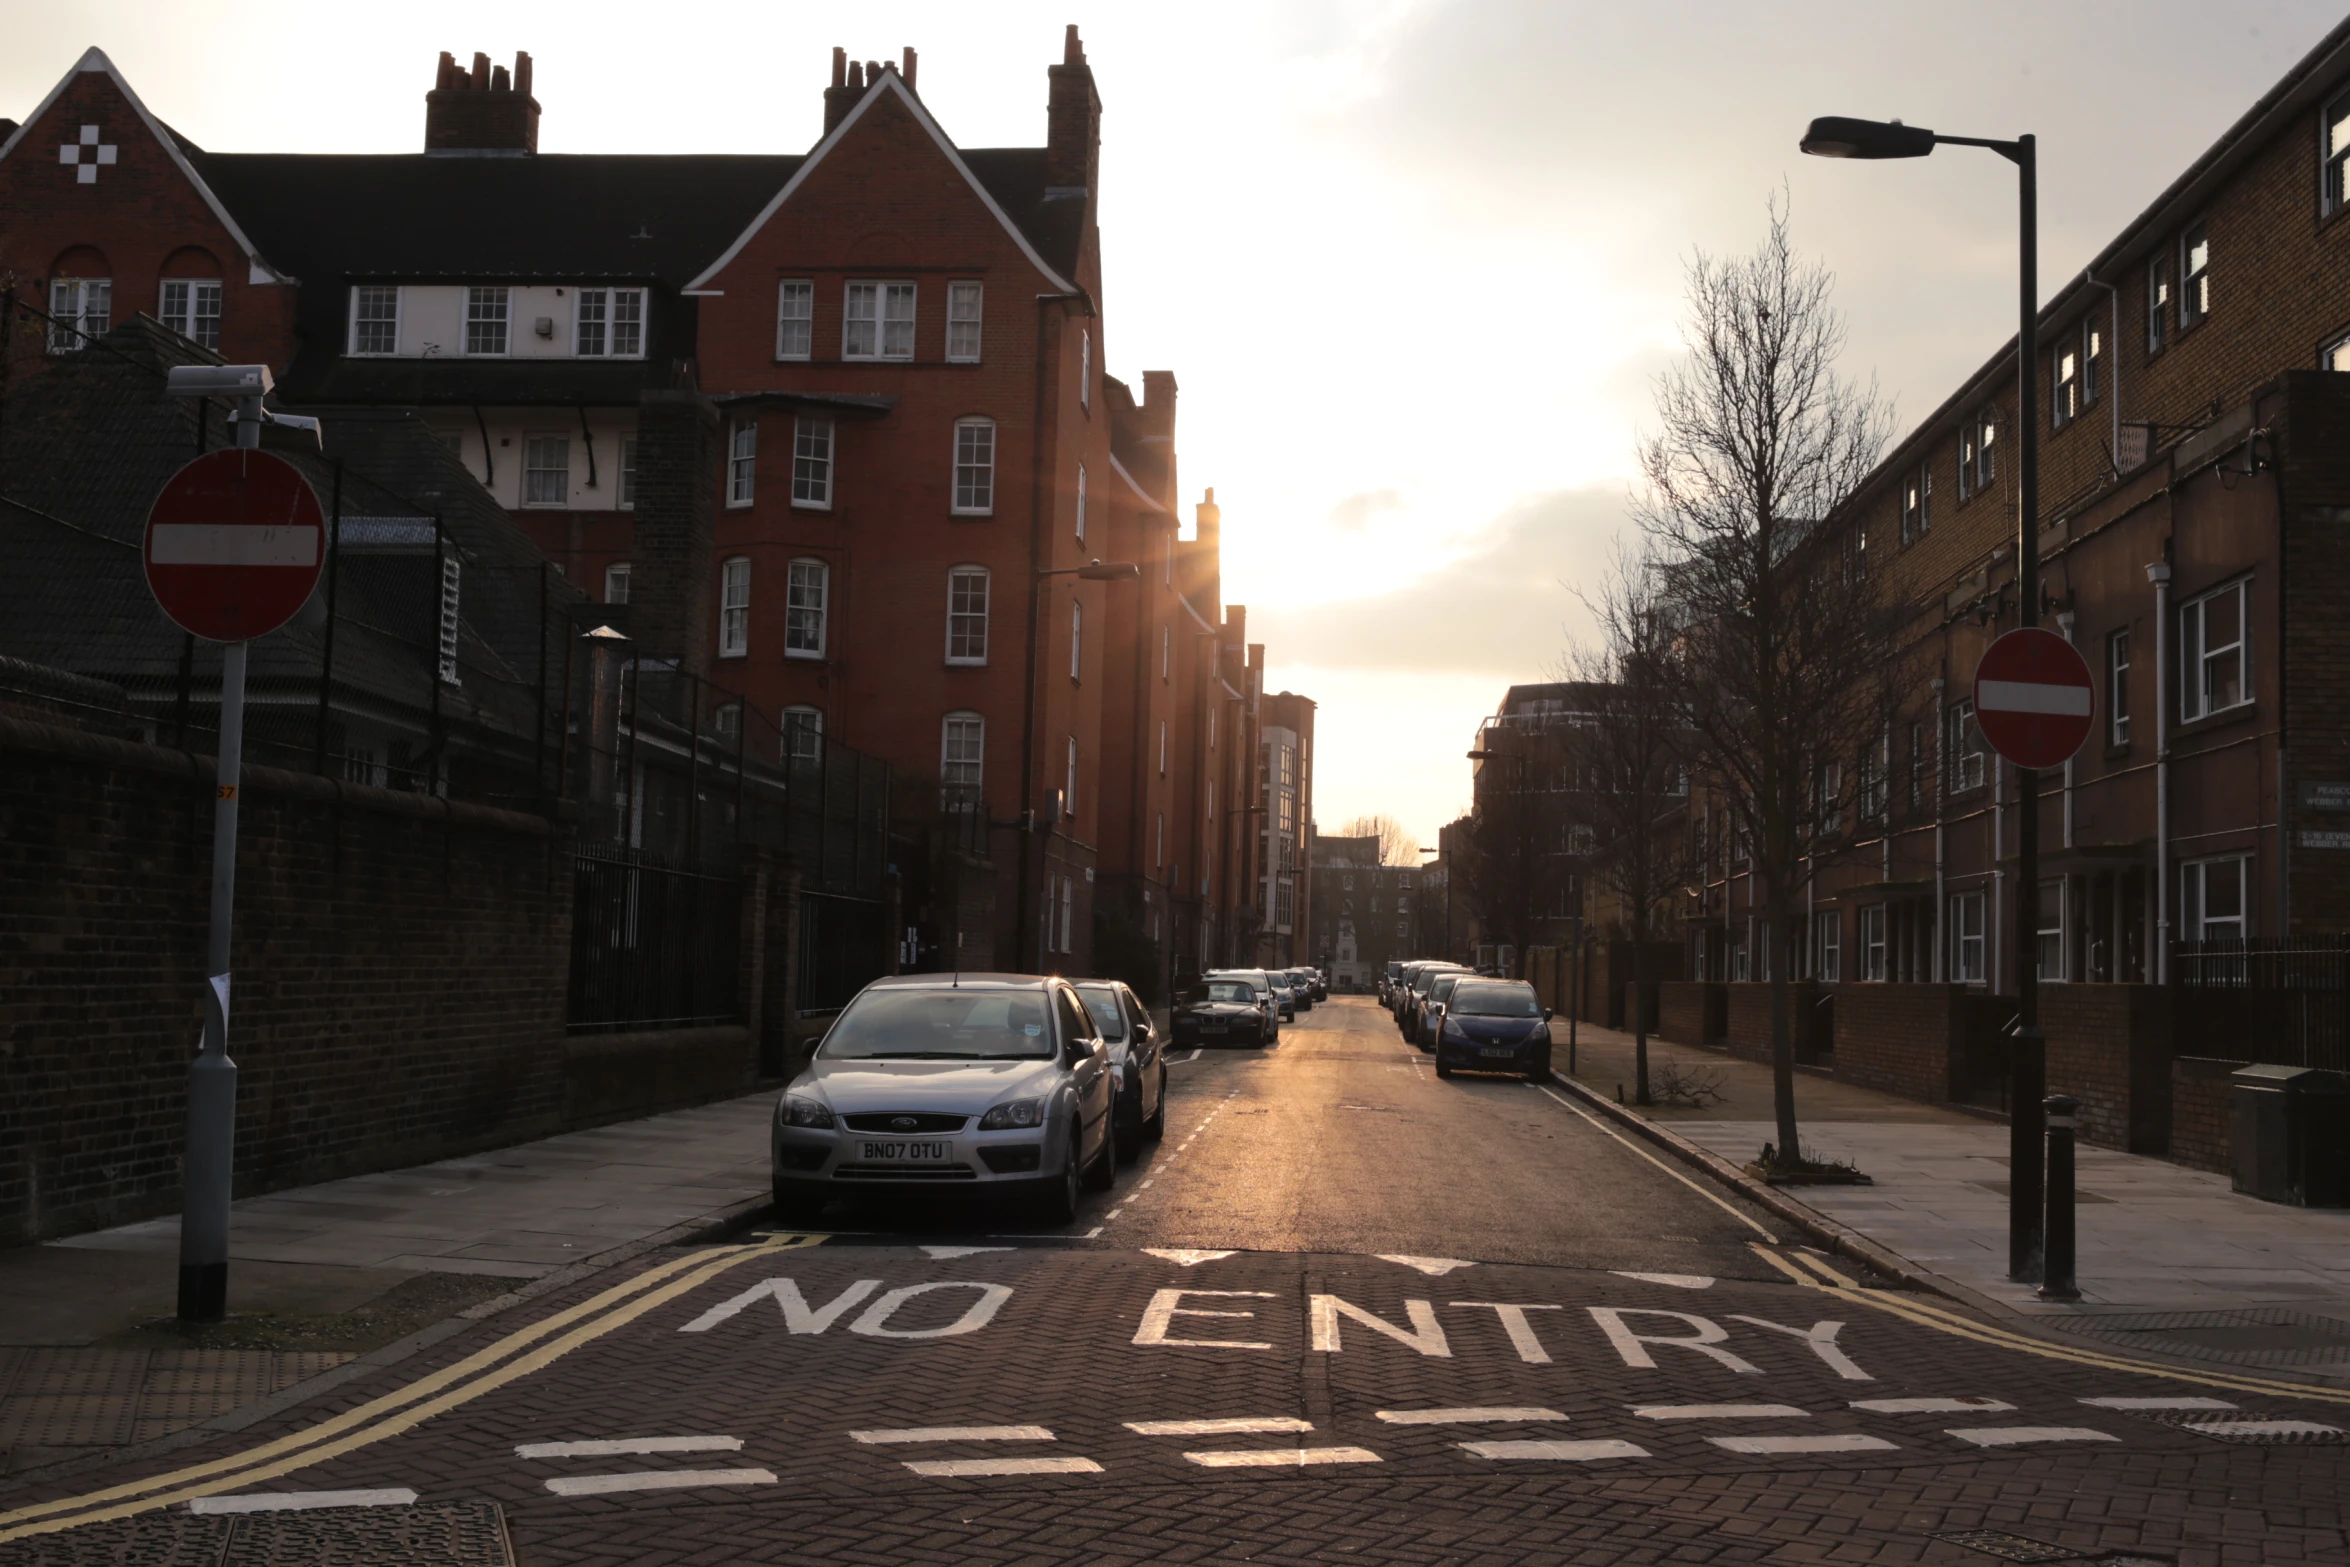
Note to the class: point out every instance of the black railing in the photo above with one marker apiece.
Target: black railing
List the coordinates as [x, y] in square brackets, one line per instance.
[2284, 1001]
[842, 949]
[652, 946]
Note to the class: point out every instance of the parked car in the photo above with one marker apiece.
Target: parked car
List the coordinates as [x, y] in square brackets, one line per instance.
[1264, 988]
[1137, 1062]
[1432, 1009]
[1222, 1009]
[1401, 986]
[995, 1082]
[1389, 977]
[1492, 1025]
[1301, 985]
[1416, 993]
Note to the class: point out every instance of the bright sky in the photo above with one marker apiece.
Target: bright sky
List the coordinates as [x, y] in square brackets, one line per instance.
[1415, 264]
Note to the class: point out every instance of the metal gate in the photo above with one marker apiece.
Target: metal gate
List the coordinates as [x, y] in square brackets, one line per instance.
[652, 946]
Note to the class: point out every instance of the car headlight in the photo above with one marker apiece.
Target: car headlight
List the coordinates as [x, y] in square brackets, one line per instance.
[1011, 1113]
[798, 1110]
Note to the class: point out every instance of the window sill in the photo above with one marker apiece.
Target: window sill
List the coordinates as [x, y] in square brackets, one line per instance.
[793, 359]
[733, 505]
[2242, 712]
[800, 505]
[2118, 753]
[966, 663]
[975, 516]
[722, 653]
[802, 656]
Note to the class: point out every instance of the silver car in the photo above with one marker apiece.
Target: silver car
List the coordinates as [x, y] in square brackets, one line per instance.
[994, 1081]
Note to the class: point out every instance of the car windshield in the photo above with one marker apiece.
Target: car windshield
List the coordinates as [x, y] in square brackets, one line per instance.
[1238, 990]
[1488, 999]
[942, 1025]
[1443, 986]
[1102, 1002]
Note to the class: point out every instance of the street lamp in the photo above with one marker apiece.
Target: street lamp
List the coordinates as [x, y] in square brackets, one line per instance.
[1839, 137]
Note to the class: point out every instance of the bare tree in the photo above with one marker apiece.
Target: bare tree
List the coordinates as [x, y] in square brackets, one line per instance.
[1786, 648]
[1630, 741]
[1396, 846]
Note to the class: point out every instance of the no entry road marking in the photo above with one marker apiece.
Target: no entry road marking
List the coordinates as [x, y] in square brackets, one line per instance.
[1718, 1411]
[1283, 1457]
[1245, 1425]
[656, 1480]
[298, 1501]
[1679, 1281]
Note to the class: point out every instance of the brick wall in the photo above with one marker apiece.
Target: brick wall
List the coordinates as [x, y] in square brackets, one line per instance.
[1749, 1018]
[1691, 1011]
[1902, 1039]
[2199, 1111]
[2109, 1047]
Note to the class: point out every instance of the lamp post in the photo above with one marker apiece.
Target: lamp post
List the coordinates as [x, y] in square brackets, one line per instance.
[1837, 137]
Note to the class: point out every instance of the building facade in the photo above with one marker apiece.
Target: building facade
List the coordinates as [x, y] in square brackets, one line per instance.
[1286, 783]
[1363, 912]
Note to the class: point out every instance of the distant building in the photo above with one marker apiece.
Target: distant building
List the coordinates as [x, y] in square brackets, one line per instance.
[1363, 912]
[1285, 749]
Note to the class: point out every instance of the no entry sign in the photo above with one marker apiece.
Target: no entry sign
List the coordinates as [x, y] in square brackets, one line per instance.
[2034, 698]
[234, 545]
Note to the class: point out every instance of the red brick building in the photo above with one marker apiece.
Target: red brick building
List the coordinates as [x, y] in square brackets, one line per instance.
[834, 431]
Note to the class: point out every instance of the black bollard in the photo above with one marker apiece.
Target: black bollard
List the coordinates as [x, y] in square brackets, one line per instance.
[2058, 1273]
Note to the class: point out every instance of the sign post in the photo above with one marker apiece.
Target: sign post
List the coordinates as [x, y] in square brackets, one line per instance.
[2035, 702]
[234, 546]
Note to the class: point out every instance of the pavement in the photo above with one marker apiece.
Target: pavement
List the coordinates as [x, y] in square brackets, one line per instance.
[1343, 1311]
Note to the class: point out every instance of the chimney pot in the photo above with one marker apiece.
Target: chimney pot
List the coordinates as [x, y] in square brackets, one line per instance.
[872, 73]
[481, 70]
[907, 70]
[856, 76]
[444, 77]
[486, 110]
[498, 81]
[522, 72]
[840, 67]
[1072, 49]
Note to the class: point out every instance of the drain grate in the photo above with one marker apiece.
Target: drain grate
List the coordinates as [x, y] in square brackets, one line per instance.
[2008, 1547]
[2259, 1336]
[2249, 1427]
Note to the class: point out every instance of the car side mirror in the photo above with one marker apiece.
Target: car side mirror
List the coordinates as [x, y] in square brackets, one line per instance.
[1546, 1014]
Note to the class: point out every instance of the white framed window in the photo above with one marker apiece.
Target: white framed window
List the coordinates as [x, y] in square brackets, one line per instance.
[1068, 913]
[967, 615]
[1076, 641]
[734, 608]
[1081, 503]
[2215, 901]
[1966, 938]
[2215, 663]
[803, 734]
[1917, 503]
[628, 473]
[1085, 368]
[1069, 788]
[375, 319]
[726, 722]
[963, 307]
[191, 307]
[2064, 402]
[795, 318]
[1965, 766]
[742, 463]
[811, 463]
[2333, 155]
[2117, 688]
[546, 470]
[877, 321]
[805, 609]
[485, 321]
[609, 323]
[2092, 362]
[80, 308]
[616, 583]
[2157, 304]
[1872, 943]
[2194, 274]
[1978, 452]
[2050, 947]
[962, 755]
[974, 468]
[1876, 778]
[1827, 949]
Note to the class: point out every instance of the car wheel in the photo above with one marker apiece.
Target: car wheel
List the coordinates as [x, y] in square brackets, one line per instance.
[1156, 1127]
[1443, 1067]
[1102, 1174]
[796, 1202]
[1538, 1070]
[1063, 1196]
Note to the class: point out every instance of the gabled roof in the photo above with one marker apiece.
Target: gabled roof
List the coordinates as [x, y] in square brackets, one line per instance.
[176, 147]
[1059, 220]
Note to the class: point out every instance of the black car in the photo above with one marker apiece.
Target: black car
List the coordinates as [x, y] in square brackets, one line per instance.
[1493, 1026]
[1222, 1012]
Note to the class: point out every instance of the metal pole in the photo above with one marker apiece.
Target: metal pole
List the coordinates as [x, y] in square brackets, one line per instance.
[2060, 1283]
[2028, 1067]
[209, 1168]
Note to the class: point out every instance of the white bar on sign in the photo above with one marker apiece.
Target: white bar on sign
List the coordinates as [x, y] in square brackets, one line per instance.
[300, 1501]
[231, 544]
[2017, 696]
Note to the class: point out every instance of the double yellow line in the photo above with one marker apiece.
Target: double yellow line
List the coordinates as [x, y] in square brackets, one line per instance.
[487, 1369]
[1816, 1274]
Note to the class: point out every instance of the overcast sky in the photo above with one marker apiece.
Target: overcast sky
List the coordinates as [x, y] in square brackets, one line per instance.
[1414, 263]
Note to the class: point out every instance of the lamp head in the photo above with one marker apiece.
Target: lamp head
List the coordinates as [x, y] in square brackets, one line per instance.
[1835, 136]
[1109, 571]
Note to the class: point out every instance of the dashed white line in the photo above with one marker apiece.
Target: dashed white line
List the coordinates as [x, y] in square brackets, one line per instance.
[957, 1468]
[631, 1444]
[879, 1437]
[1469, 1415]
[1559, 1452]
[1930, 1406]
[2159, 1403]
[1842, 1442]
[1434, 1267]
[656, 1480]
[300, 1501]
[1283, 1457]
[1183, 1257]
[2017, 1436]
[1718, 1411]
[1242, 1426]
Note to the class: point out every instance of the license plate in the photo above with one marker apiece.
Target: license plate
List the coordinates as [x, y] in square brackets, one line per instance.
[1212, 1028]
[1499, 1050]
[907, 1153]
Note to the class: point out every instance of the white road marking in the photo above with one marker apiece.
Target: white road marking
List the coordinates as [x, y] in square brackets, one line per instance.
[1514, 1321]
[631, 1444]
[2159, 1403]
[2016, 1436]
[955, 1468]
[1845, 1442]
[875, 1438]
[1561, 1452]
[1425, 1334]
[1283, 1457]
[1718, 1201]
[1112, 1214]
[1719, 1411]
[2262, 1428]
[1182, 1257]
[1144, 1187]
[1820, 1339]
[1243, 1426]
[1463, 1416]
[1929, 1406]
[1707, 1340]
[1679, 1281]
[874, 1321]
[943, 1253]
[1167, 1305]
[1194, 1056]
[656, 1480]
[1434, 1267]
[1061, 1235]
[299, 1501]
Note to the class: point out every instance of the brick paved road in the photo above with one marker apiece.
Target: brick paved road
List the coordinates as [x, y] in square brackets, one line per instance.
[1356, 1314]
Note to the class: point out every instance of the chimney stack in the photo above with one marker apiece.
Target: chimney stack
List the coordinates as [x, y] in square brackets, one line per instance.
[484, 113]
[907, 70]
[1073, 124]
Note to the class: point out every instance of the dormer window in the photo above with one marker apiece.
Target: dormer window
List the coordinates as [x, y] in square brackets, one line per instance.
[611, 324]
[485, 321]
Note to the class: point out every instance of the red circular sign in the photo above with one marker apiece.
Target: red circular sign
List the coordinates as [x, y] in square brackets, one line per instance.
[2034, 698]
[234, 545]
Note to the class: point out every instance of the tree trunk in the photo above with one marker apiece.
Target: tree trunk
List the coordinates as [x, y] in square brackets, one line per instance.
[1782, 1045]
[1639, 1019]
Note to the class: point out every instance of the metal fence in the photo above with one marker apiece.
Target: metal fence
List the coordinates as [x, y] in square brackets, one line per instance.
[652, 946]
[2282, 1000]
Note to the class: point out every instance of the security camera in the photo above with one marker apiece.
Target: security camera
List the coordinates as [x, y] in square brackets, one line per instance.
[218, 381]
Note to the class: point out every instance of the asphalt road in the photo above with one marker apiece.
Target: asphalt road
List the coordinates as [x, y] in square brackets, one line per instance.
[1343, 1312]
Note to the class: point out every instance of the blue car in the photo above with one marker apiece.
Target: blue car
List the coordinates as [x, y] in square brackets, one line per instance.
[1494, 1025]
